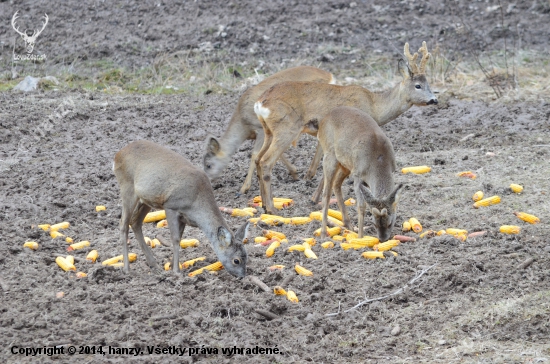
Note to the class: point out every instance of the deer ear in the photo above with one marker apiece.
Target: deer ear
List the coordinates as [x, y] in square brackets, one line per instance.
[375, 212]
[393, 197]
[212, 145]
[384, 212]
[242, 234]
[367, 195]
[404, 69]
[224, 237]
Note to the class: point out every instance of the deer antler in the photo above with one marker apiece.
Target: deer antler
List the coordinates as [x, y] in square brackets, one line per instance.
[13, 19]
[412, 58]
[425, 57]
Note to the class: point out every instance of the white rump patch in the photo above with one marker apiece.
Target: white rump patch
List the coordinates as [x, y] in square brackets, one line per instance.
[332, 80]
[260, 110]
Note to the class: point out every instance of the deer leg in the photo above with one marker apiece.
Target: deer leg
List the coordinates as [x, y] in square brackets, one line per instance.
[128, 205]
[330, 167]
[341, 175]
[291, 168]
[278, 146]
[176, 230]
[315, 162]
[361, 204]
[137, 222]
[268, 138]
[318, 191]
[258, 143]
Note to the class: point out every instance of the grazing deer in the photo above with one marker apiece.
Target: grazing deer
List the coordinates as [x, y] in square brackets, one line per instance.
[288, 109]
[244, 125]
[150, 175]
[354, 144]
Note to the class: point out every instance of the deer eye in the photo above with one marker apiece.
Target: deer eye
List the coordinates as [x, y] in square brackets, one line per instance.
[236, 261]
[418, 87]
[208, 166]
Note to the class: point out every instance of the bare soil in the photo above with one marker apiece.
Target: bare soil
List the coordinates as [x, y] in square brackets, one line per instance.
[477, 304]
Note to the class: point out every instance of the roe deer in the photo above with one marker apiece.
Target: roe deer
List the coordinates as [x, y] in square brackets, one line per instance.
[244, 125]
[290, 108]
[150, 175]
[354, 144]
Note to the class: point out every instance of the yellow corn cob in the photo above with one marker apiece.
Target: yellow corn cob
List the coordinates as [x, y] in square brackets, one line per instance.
[275, 217]
[452, 231]
[92, 256]
[155, 243]
[386, 245]
[300, 220]
[117, 265]
[441, 232]
[336, 214]
[349, 202]
[236, 212]
[281, 205]
[310, 241]
[271, 250]
[191, 262]
[272, 222]
[373, 255]
[61, 225]
[493, 200]
[44, 227]
[270, 234]
[531, 219]
[250, 209]
[328, 245]
[260, 239]
[196, 272]
[369, 241]
[310, 254]
[427, 234]
[276, 267]
[214, 267]
[162, 224]
[415, 225]
[299, 248]
[33, 245]
[302, 271]
[69, 240]
[348, 234]
[254, 220]
[56, 234]
[64, 264]
[132, 257]
[258, 199]
[338, 238]
[79, 245]
[510, 229]
[330, 231]
[318, 215]
[355, 246]
[155, 216]
[406, 226]
[81, 275]
[291, 296]
[477, 196]
[70, 259]
[516, 188]
[416, 170]
[100, 208]
[467, 174]
[189, 243]
[279, 291]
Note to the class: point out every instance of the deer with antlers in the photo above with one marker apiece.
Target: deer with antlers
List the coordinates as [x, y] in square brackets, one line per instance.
[290, 108]
[29, 39]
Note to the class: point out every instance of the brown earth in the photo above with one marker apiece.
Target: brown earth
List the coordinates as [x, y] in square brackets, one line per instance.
[475, 305]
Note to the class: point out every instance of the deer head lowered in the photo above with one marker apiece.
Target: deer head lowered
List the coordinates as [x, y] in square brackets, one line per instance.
[29, 40]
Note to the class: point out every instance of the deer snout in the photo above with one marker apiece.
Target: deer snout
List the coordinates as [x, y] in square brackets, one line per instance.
[432, 101]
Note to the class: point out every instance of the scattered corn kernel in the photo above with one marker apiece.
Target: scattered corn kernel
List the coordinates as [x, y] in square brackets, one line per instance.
[406, 226]
[416, 170]
[373, 255]
[467, 174]
[189, 243]
[302, 271]
[349, 202]
[33, 245]
[44, 227]
[155, 216]
[79, 245]
[477, 196]
[69, 240]
[64, 264]
[61, 225]
[510, 229]
[100, 208]
[415, 225]
[531, 219]
[81, 275]
[280, 291]
[276, 267]
[291, 296]
[56, 234]
[92, 256]
[516, 188]
[327, 245]
[271, 250]
[493, 200]
[162, 223]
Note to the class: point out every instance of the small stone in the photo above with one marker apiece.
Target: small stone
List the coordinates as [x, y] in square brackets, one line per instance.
[441, 342]
[396, 330]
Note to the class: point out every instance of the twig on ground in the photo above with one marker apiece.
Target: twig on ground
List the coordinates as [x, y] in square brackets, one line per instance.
[268, 315]
[400, 290]
[259, 283]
